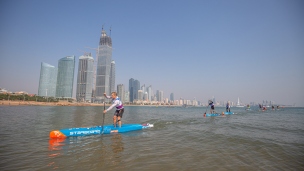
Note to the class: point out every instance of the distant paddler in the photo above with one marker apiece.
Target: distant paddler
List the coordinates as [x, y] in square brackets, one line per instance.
[248, 107]
[212, 106]
[228, 107]
[119, 108]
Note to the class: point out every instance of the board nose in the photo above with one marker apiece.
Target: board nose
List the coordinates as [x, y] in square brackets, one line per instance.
[57, 134]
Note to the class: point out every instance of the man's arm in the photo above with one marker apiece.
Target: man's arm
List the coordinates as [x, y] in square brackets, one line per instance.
[114, 104]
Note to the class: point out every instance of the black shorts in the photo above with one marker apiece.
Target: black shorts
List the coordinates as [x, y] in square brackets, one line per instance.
[119, 112]
[212, 107]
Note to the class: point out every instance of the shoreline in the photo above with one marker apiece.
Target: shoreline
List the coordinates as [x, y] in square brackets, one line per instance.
[62, 103]
[34, 103]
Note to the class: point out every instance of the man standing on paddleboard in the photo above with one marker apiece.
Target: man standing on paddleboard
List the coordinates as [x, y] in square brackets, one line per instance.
[212, 106]
[119, 108]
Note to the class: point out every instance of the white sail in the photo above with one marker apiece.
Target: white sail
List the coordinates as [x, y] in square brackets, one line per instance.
[238, 103]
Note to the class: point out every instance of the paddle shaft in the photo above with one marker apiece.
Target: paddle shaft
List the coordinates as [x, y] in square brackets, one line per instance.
[207, 107]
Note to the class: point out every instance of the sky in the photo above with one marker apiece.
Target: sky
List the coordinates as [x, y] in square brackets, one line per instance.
[251, 49]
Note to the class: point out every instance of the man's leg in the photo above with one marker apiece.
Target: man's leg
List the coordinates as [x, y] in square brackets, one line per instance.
[114, 120]
[119, 121]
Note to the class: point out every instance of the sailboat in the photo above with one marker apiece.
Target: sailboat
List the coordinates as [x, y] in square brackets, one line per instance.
[238, 103]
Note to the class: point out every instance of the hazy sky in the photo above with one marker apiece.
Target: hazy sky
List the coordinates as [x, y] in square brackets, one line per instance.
[251, 49]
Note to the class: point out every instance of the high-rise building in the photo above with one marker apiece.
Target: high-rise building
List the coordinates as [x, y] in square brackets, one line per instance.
[146, 96]
[65, 77]
[131, 90]
[143, 88]
[161, 96]
[121, 92]
[127, 97]
[134, 86]
[140, 95]
[112, 77]
[85, 78]
[150, 94]
[104, 59]
[48, 80]
[171, 97]
[157, 95]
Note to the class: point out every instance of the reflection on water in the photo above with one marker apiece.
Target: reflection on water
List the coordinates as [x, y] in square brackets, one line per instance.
[117, 144]
[106, 150]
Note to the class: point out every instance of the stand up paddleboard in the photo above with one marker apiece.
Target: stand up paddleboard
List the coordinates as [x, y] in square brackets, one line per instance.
[97, 130]
[218, 114]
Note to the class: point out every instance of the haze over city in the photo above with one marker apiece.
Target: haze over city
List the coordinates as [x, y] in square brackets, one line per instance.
[195, 49]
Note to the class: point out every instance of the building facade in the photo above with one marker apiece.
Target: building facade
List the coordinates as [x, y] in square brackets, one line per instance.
[112, 77]
[121, 92]
[65, 77]
[171, 97]
[104, 59]
[150, 94]
[48, 80]
[134, 86]
[85, 78]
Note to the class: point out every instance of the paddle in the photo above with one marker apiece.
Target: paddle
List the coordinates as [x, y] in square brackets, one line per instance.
[104, 108]
[206, 109]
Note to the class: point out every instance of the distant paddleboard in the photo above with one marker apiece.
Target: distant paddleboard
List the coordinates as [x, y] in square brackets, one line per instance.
[97, 130]
[212, 114]
[218, 114]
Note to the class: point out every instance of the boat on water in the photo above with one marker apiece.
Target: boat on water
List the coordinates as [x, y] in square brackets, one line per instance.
[238, 103]
[97, 130]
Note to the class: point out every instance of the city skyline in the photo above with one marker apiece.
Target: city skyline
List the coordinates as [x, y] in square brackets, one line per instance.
[196, 49]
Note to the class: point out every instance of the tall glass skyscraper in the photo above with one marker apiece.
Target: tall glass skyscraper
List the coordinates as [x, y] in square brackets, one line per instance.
[171, 97]
[131, 90]
[134, 86]
[47, 81]
[85, 78]
[65, 77]
[112, 77]
[104, 59]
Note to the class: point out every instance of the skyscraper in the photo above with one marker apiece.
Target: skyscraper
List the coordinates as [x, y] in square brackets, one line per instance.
[47, 81]
[143, 88]
[104, 58]
[131, 90]
[65, 77]
[121, 92]
[149, 90]
[171, 97]
[112, 77]
[85, 78]
[140, 95]
[161, 96]
[134, 86]
[157, 95]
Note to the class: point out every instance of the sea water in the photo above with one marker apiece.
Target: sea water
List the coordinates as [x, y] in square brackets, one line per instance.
[181, 139]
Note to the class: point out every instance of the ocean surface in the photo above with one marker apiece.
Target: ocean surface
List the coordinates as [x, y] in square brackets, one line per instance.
[182, 139]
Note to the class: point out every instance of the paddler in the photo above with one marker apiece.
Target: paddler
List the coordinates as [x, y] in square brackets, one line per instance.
[212, 106]
[227, 107]
[119, 108]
